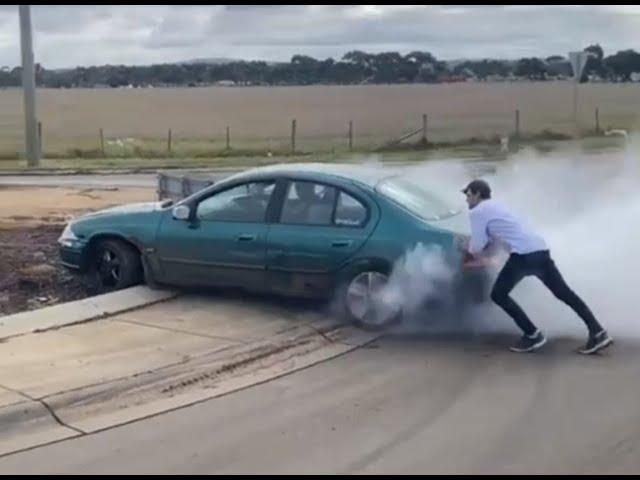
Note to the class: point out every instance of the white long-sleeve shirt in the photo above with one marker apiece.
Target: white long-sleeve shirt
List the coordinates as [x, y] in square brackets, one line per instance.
[492, 222]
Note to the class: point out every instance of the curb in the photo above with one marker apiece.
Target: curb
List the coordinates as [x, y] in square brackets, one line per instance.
[85, 310]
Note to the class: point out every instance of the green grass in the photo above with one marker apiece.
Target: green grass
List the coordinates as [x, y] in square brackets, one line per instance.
[193, 154]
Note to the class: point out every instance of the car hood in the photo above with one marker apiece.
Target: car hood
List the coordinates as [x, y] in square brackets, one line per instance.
[144, 207]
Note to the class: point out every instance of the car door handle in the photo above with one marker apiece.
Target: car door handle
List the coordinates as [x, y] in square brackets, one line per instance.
[341, 243]
[245, 237]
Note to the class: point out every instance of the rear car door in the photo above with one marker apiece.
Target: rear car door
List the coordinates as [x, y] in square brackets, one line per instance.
[319, 228]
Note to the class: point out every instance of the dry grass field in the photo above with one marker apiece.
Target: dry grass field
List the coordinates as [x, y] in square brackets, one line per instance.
[135, 122]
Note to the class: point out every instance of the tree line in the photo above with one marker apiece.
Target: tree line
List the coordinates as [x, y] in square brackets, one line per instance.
[354, 68]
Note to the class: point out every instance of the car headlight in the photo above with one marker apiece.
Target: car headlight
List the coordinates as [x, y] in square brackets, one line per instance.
[68, 238]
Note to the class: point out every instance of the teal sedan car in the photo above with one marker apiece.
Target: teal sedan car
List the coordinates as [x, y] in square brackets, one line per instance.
[305, 230]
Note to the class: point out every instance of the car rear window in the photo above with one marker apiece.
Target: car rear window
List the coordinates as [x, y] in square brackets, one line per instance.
[424, 201]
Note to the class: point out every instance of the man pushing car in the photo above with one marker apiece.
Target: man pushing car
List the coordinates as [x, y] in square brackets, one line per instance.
[529, 255]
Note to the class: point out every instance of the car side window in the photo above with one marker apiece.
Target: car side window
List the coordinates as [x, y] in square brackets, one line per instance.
[350, 212]
[308, 203]
[245, 203]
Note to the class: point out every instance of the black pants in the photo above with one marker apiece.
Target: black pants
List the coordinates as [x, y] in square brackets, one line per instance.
[541, 265]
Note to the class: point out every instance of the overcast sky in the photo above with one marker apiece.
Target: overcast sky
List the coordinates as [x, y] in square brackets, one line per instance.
[68, 36]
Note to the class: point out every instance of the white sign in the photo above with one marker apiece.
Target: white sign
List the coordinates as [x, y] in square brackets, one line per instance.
[578, 61]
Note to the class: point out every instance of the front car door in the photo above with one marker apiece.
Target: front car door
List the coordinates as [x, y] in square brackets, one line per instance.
[224, 241]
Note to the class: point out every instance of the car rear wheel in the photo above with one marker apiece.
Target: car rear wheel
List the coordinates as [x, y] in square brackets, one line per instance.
[116, 265]
[367, 303]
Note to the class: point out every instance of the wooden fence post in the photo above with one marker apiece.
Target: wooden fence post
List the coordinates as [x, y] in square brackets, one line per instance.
[40, 138]
[293, 135]
[424, 128]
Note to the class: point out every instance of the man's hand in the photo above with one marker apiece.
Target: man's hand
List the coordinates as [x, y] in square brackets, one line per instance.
[462, 244]
[489, 256]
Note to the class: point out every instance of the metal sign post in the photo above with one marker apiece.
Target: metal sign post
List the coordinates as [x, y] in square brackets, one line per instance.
[578, 61]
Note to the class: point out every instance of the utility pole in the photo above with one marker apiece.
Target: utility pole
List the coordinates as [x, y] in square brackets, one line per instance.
[29, 88]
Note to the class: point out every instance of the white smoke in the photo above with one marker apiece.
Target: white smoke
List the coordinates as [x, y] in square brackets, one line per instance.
[588, 208]
[585, 204]
[422, 274]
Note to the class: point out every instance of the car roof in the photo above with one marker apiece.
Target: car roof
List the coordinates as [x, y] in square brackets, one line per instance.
[366, 175]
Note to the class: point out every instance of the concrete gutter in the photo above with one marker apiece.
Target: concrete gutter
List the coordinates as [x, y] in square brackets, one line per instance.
[80, 311]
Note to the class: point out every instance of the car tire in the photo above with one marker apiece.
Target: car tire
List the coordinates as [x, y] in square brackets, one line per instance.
[114, 265]
[359, 300]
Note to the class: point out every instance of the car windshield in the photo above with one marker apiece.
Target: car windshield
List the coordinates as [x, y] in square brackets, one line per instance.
[424, 201]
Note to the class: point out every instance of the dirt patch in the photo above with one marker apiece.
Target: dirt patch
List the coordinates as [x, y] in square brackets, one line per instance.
[31, 220]
[30, 276]
[32, 206]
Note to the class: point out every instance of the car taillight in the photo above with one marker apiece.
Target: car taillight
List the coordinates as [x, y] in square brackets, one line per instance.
[461, 242]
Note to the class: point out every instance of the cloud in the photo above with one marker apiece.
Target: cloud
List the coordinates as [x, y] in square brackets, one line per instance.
[66, 36]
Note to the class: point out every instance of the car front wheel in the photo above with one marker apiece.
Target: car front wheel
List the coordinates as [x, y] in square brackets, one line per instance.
[115, 265]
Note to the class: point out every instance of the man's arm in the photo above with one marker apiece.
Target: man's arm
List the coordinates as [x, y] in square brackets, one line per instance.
[479, 237]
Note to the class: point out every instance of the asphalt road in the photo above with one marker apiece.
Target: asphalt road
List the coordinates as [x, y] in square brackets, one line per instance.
[137, 180]
[143, 180]
[85, 181]
[403, 405]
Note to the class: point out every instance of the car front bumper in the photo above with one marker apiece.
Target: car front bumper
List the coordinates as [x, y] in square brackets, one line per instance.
[72, 256]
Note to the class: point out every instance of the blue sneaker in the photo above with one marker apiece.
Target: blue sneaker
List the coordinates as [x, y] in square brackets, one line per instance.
[529, 343]
[597, 342]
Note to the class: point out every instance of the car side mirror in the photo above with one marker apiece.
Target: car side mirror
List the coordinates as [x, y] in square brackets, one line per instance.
[181, 212]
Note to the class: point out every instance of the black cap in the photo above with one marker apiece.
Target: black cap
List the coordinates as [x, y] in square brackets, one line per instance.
[479, 186]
